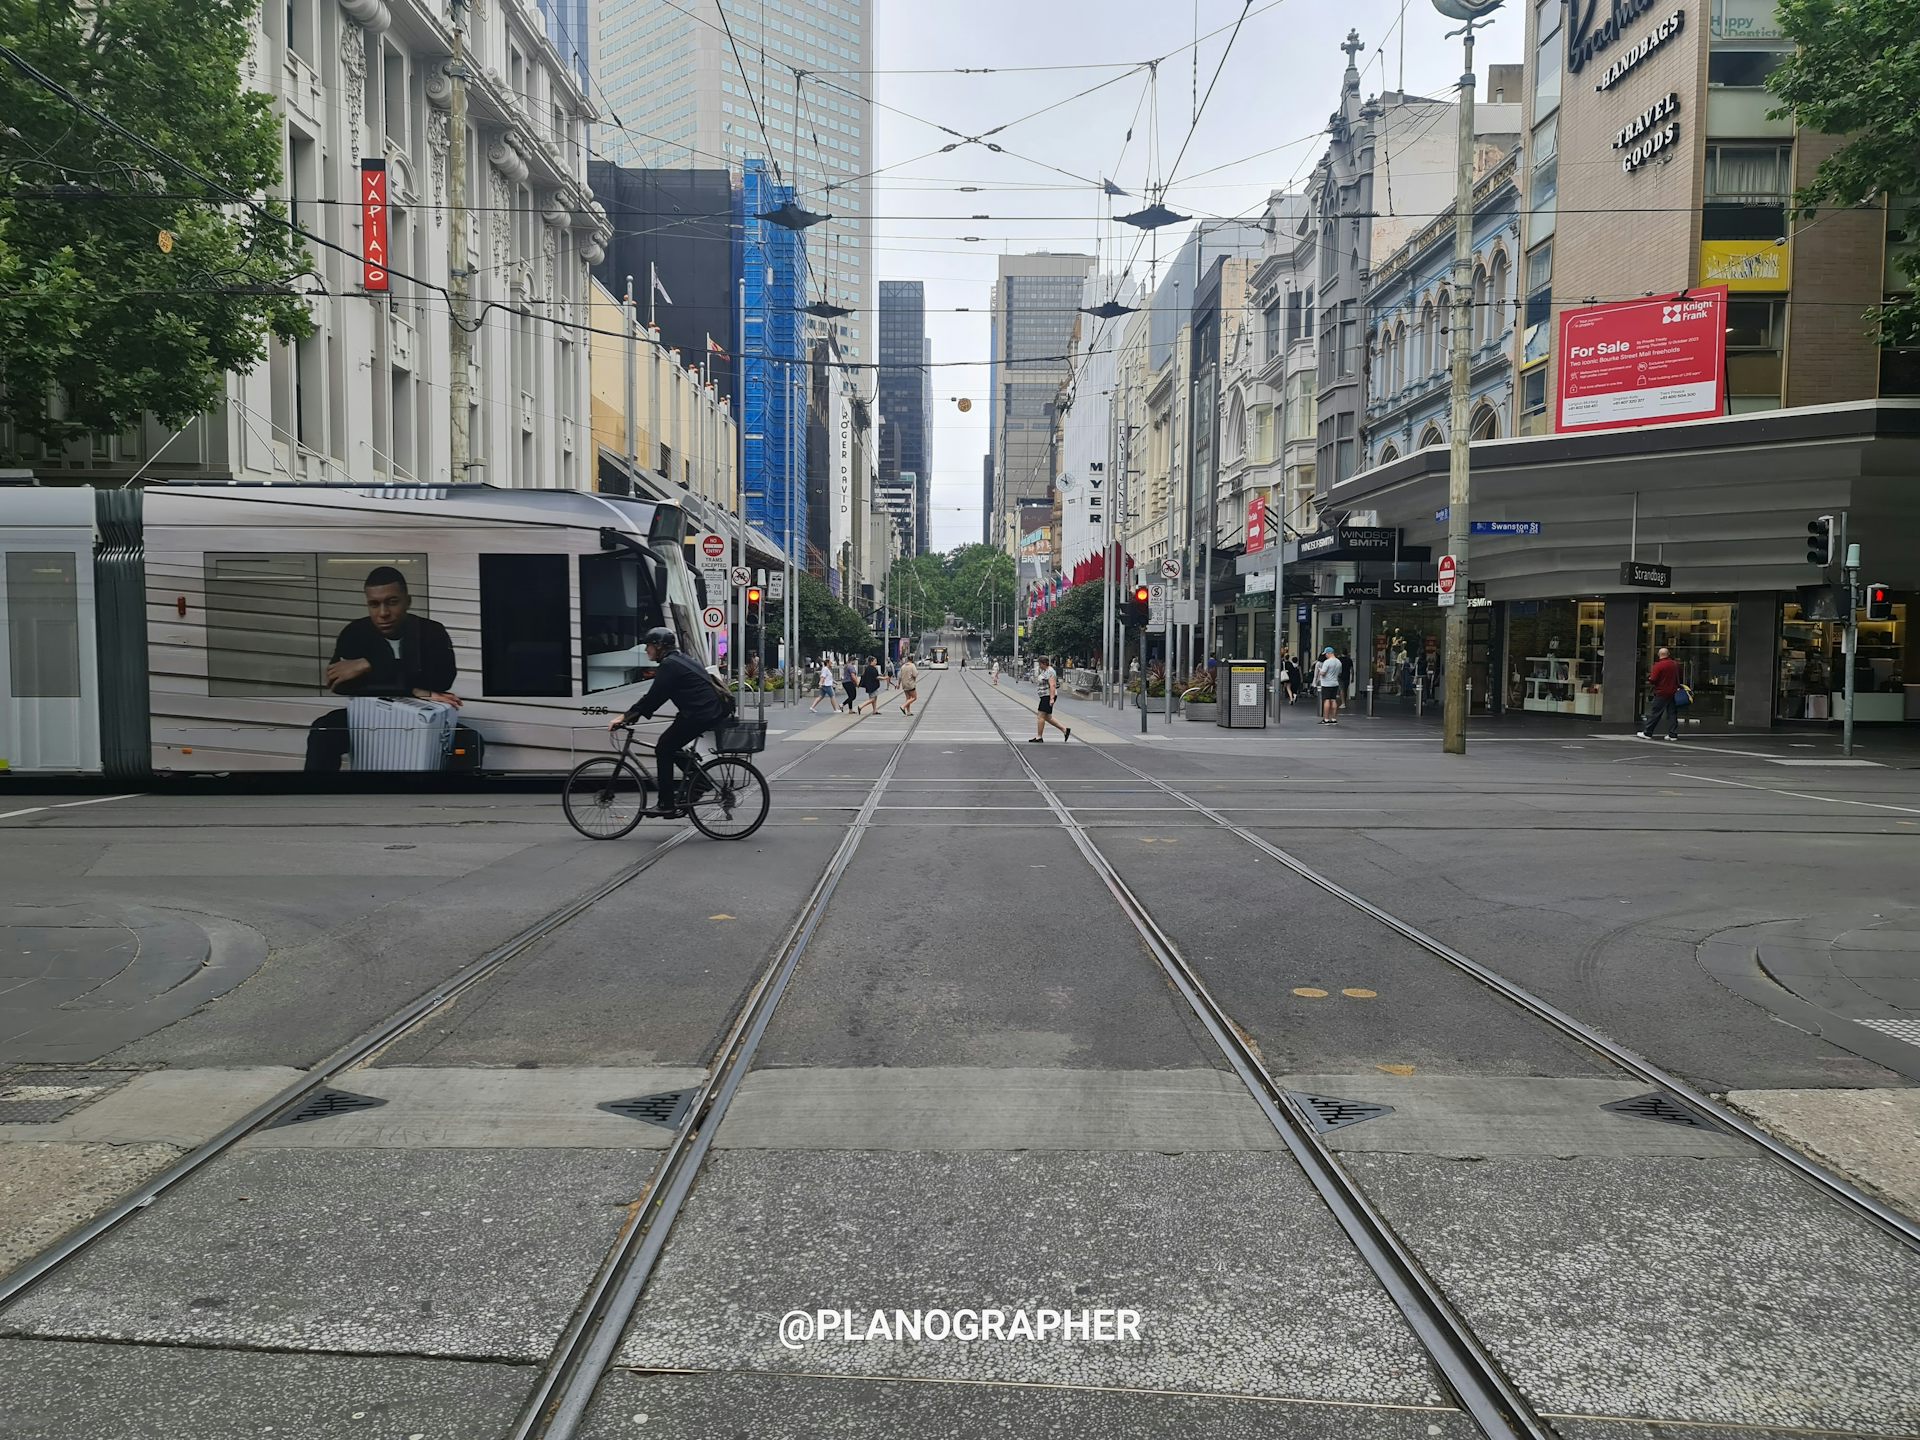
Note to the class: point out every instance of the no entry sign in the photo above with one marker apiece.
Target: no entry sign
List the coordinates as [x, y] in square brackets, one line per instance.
[1449, 579]
[713, 546]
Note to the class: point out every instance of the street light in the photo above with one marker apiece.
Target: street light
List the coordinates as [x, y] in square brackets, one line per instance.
[1454, 715]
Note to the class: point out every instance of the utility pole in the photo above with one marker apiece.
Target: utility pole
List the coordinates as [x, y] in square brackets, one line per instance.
[459, 341]
[1851, 598]
[736, 605]
[633, 396]
[1459, 457]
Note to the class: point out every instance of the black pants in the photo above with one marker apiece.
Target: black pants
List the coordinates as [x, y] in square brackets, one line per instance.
[1662, 704]
[666, 750]
[328, 743]
[849, 686]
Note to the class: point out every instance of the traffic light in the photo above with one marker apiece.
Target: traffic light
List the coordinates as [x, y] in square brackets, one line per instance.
[1137, 609]
[753, 596]
[1820, 541]
[1879, 602]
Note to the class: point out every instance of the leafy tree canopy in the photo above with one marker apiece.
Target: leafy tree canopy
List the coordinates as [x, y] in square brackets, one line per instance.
[1857, 73]
[126, 285]
[1072, 626]
[826, 625]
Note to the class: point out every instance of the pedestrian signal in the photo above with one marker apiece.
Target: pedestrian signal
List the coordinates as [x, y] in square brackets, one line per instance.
[1879, 602]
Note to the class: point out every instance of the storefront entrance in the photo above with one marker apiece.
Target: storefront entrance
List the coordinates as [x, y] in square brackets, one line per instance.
[1409, 643]
[1700, 635]
[1810, 680]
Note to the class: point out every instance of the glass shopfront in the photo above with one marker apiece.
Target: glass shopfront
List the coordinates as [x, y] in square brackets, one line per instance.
[1555, 655]
[1700, 635]
[1810, 680]
[1409, 642]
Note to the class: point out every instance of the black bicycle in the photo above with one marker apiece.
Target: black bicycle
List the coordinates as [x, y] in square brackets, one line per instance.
[726, 795]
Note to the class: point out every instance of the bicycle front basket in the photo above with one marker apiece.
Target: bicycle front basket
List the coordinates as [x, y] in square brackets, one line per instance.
[740, 737]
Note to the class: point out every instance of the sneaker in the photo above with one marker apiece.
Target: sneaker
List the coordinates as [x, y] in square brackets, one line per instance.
[1674, 738]
[1038, 740]
[1068, 734]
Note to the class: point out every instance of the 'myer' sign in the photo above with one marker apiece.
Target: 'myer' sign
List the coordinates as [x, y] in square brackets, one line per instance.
[1644, 362]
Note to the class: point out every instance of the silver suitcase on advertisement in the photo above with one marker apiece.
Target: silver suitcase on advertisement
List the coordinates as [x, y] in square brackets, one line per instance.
[403, 734]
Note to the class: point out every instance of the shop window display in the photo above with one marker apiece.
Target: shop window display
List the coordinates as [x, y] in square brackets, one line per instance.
[1811, 678]
[1700, 635]
[1555, 654]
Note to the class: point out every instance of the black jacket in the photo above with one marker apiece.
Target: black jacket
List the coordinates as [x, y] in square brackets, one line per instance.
[682, 679]
[425, 661]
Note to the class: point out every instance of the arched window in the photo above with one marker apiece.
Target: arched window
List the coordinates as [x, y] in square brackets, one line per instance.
[1400, 355]
[1423, 342]
[1388, 454]
[1383, 369]
[1482, 313]
[1486, 424]
[1237, 428]
[1431, 436]
[1497, 283]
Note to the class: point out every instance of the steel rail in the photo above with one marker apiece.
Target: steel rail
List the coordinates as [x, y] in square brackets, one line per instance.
[1835, 1187]
[362, 1047]
[559, 1402]
[1484, 1391]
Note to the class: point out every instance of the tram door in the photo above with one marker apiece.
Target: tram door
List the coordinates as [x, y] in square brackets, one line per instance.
[49, 708]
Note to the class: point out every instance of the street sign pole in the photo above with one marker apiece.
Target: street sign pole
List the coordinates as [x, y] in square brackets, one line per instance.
[1850, 589]
[1454, 718]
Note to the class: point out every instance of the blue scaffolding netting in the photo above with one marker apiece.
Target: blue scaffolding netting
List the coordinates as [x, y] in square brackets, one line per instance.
[773, 401]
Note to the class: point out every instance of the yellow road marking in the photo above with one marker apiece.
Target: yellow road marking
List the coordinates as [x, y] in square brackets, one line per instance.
[1395, 1069]
[1355, 992]
[720, 917]
[1310, 992]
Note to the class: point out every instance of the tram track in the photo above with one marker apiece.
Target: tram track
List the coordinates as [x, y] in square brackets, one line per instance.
[558, 1402]
[1492, 1397]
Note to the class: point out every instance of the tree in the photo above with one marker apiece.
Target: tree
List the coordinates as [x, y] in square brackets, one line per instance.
[825, 623]
[1072, 626]
[1857, 73]
[130, 283]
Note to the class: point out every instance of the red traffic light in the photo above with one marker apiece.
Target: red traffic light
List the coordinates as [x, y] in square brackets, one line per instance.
[753, 595]
[1140, 595]
[1879, 602]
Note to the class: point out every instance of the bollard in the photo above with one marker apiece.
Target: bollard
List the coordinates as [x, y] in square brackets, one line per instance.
[1469, 697]
[1369, 702]
[1419, 696]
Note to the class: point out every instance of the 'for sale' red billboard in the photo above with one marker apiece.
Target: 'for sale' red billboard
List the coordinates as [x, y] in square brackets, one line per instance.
[1644, 362]
[373, 222]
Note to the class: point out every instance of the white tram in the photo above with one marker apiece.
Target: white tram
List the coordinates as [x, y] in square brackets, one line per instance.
[201, 629]
[936, 657]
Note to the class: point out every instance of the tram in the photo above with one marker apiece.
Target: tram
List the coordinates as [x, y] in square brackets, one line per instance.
[218, 629]
[936, 657]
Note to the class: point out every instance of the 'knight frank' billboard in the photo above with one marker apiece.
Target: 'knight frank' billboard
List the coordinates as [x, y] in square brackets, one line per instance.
[1644, 362]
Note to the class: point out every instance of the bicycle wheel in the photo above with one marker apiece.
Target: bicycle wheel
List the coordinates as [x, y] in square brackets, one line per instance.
[604, 797]
[732, 799]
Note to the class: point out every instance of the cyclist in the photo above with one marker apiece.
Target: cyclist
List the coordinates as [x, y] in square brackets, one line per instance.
[698, 703]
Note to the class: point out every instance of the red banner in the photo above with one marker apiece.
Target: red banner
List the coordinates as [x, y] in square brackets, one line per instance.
[1256, 524]
[373, 222]
[1644, 362]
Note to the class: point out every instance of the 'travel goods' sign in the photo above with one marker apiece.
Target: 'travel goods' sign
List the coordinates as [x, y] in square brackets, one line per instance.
[1647, 574]
[1643, 362]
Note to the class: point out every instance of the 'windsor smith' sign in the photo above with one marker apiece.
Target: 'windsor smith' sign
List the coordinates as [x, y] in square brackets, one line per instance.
[1585, 39]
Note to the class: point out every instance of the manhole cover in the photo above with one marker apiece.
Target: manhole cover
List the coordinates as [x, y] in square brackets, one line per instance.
[31, 1096]
[1658, 1107]
[1330, 1112]
[667, 1109]
[323, 1103]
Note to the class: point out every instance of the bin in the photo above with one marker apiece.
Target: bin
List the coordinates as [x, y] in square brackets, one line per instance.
[1242, 688]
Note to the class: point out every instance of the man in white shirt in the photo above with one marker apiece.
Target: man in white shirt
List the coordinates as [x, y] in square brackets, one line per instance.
[1047, 679]
[1326, 675]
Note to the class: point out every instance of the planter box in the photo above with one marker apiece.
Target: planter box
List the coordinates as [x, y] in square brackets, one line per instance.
[1206, 711]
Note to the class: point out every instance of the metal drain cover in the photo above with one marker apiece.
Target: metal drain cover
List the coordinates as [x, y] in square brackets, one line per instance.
[1658, 1107]
[39, 1097]
[323, 1103]
[1330, 1112]
[666, 1109]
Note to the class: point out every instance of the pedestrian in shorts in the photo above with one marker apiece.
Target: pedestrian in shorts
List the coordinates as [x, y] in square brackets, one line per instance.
[909, 685]
[1326, 676]
[1048, 681]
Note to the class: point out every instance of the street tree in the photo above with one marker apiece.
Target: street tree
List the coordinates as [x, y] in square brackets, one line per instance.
[1072, 626]
[1857, 73]
[826, 625]
[138, 264]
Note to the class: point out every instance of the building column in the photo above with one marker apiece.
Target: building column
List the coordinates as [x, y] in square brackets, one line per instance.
[1754, 658]
[1620, 675]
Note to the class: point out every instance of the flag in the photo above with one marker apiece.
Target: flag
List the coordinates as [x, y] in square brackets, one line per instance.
[713, 345]
[658, 288]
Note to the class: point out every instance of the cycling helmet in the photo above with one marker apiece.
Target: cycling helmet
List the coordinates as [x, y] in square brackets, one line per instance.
[663, 637]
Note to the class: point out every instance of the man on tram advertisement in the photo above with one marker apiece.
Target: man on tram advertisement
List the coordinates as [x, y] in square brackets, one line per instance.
[390, 654]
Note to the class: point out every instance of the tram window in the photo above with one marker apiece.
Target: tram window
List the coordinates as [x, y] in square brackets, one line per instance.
[617, 607]
[43, 624]
[525, 645]
[274, 619]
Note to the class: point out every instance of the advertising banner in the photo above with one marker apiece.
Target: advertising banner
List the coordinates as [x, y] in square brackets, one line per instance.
[1746, 264]
[373, 223]
[1256, 524]
[1643, 362]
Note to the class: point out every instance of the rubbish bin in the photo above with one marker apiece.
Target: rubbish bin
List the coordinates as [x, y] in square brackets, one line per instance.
[1242, 688]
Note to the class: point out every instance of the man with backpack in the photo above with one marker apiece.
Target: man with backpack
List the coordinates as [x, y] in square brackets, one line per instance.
[698, 701]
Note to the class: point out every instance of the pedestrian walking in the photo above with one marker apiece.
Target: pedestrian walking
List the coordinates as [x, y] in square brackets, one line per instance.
[1664, 680]
[1288, 677]
[1326, 676]
[1346, 679]
[849, 682]
[1047, 680]
[994, 675]
[826, 688]
[870, 682]
[909, 685]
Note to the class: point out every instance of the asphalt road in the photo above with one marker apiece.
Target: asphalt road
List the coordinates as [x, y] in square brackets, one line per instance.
[979, 1090]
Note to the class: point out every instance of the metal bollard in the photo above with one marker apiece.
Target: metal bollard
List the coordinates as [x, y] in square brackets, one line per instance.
[1419, 696]
[1369, 702]
[1469, 697]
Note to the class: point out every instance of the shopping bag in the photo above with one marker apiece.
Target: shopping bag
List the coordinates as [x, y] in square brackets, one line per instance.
[1683, 697]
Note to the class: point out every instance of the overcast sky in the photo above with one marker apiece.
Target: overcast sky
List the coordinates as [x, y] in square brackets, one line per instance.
[1280, 83]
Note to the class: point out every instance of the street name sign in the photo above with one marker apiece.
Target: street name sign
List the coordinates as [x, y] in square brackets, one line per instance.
[1503, 527]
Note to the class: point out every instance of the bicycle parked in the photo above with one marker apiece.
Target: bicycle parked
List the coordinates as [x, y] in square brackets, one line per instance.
[726, 795]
